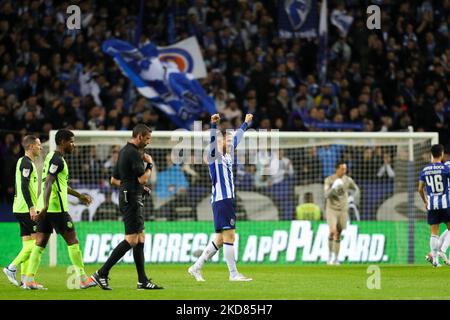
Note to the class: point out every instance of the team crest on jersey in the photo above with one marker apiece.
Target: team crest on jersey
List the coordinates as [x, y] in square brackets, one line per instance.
[53, 168]
[34, 228]
[232, 222]
[69, 225]
[26, 173]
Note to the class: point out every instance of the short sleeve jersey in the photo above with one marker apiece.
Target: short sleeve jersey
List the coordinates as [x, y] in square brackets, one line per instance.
[436, 177]
[129, 168]
[55, 165]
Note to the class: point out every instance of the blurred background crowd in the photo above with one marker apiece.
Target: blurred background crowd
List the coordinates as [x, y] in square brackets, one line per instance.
[385, 80]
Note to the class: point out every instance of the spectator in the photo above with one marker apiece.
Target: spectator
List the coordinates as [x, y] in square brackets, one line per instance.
[328, 156]
[283, 168]
[109, 165]
[386, 171]
[308, 210]
[232, 111]
[366, 167]
[171, 189]
[108, 210]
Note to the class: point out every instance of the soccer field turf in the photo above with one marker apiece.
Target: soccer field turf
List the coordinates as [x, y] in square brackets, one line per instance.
[270, 282]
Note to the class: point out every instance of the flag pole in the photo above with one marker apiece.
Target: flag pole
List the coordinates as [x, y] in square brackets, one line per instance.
[323, 42]
[137, 35]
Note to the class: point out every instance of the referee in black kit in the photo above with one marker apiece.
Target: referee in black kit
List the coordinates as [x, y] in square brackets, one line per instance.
[130, 175]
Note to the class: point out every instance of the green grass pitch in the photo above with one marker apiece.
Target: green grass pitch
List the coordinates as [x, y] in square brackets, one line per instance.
[269, 282]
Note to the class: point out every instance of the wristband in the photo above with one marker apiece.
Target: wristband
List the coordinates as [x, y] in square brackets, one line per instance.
[149, 166]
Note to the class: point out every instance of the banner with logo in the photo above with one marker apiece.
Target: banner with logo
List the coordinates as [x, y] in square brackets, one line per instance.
[275, 242]
[187, 55]
[342, 21]
[297, 18]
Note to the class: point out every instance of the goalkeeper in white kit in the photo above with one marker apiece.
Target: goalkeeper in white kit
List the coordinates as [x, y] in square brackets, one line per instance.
[336, 189]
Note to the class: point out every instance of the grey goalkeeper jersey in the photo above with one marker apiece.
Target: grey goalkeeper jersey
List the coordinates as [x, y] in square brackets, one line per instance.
[337, 194]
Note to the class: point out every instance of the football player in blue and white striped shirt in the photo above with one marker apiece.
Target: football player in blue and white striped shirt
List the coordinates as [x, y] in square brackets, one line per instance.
[220, 160]
[444, 238]
[433, 189]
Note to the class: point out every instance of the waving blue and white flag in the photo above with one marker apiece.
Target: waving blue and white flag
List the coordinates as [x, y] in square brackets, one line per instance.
[176, 93]
[297, 18]
[342, 21]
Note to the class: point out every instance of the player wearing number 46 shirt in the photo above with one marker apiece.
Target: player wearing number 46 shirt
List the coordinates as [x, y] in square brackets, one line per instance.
[222, 199]
[24, 206]
[52, 207]
[433, 189]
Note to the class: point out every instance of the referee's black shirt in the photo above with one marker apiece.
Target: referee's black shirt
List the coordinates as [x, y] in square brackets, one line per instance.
[129, 168]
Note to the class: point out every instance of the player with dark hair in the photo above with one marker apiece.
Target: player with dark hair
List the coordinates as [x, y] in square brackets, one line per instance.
[53, 210]
[222, 199]
[434, 181]
[336, 189]
[131, 175]
[24, 207]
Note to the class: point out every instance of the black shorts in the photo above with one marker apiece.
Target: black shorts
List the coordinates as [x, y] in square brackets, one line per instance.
[60, 221]
[438, 216]
[131, 205]
[27, 226]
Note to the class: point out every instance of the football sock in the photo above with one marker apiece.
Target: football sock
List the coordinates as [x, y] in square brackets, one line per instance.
[207, 254]
[228, 250]
[139, 261]
[434, 246]
[24, 255]
[336, 247]
[35, 261]
[115, 256]
[77, 260]
[442, 237]
[24, 270]
[444, 241]
[330, 247]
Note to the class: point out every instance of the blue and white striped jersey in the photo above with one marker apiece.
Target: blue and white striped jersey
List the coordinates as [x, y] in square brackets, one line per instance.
[221, 166]
[436, 178]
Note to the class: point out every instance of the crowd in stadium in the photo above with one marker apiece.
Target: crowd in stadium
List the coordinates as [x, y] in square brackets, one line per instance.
[387, 80]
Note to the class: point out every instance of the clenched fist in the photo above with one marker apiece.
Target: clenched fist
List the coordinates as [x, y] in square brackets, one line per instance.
[215, 118]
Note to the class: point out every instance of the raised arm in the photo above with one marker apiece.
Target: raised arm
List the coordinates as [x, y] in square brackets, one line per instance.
[213, 153]
[240, 132]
